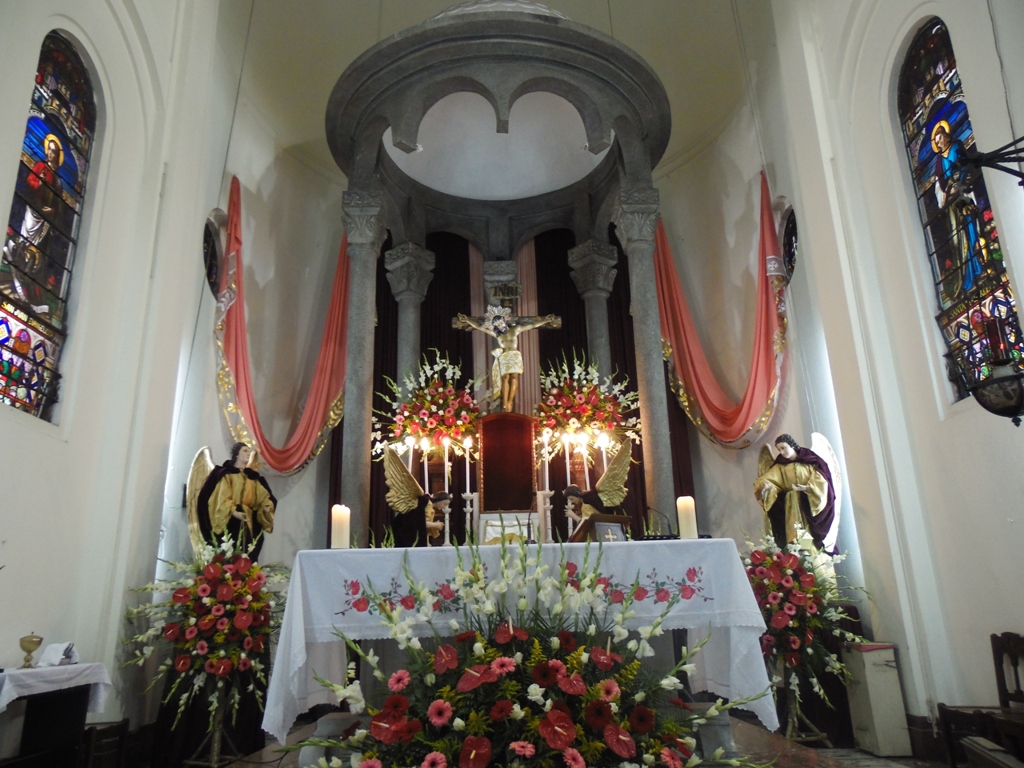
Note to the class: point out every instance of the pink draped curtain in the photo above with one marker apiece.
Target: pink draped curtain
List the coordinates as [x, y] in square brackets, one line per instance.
[323, 408]
[734, 425]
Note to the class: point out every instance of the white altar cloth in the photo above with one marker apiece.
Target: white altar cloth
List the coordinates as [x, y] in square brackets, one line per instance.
[328, 592]
[15, 683]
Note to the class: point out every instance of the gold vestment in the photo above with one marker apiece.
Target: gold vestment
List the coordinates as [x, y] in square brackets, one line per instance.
[780, 478]
[235, 489]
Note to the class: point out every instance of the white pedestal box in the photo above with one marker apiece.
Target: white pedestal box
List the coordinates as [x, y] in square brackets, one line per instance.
[876, 701]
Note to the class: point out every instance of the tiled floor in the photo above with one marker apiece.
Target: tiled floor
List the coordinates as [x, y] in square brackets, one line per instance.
[753, 741]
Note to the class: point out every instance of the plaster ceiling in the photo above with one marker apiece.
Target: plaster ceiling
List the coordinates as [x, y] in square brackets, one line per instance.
[297, 50]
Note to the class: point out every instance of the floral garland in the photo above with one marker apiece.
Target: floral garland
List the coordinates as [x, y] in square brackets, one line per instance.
[799, 598]
[557, 681]
[216, 625]
[576, 406]
[429, 407]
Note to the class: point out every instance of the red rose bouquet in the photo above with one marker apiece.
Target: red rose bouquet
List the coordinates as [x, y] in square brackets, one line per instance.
[430, 407]
[559, 681]
[217, 625]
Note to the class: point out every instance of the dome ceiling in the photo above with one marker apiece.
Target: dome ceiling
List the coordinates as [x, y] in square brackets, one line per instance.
[296, 51]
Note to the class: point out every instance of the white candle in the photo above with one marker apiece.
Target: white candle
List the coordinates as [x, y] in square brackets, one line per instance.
[546, 436]
[602, 442]
[425, 446]
[686, 514]
[340, 526]
[467, 444]
[565, 445]
[446, 442]
[409, 443]
[584, 440]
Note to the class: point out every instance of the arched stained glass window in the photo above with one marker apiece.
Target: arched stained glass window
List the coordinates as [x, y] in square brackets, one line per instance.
[976, 309]
[42, 228]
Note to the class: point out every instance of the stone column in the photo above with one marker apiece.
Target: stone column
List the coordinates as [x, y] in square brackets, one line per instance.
[593, 271]
[364, 224]
[409, 272]
[636, 218]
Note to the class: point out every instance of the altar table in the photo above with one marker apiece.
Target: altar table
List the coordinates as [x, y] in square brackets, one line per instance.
[328, 592]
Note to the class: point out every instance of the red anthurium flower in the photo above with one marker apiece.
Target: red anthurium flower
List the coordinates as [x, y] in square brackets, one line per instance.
[385, 727]
[574, 685]
[446, 658]
[171, 632]
[183, 662]
[757, 557]
[780, 620]
[807, 580]
[475, 676]
[242, 565]
[182, 595]
[213, 571]
[557, 729]
[792, 659]
[225, 593]
[476, 752]
[243, 619]
[222, 667]
[463, 636]
[619, 741]
[207, 621]
[603, 659]
[796, 597]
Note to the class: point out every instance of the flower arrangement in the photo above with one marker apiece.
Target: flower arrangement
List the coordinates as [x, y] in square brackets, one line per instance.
[217, 625]
[576, 408]
[429, 411]
[799, 598]
[541, 671]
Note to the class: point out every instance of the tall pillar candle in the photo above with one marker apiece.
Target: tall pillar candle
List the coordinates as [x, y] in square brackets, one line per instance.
[686, 514]
[341, 522]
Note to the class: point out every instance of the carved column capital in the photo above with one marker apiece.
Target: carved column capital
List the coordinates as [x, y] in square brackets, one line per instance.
[636, 216]
[409, 271]
[362, 213]
[593, 268]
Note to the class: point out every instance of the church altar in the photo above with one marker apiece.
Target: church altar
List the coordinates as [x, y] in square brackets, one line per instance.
[328, 592]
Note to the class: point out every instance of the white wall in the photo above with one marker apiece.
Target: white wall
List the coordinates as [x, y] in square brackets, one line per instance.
[934, 485]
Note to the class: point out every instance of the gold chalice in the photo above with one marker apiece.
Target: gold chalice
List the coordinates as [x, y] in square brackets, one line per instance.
[30, 644]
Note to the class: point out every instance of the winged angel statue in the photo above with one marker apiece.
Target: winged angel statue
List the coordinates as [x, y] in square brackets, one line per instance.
[413, 508]
[609, 492]
[231, 498]
[800, 487]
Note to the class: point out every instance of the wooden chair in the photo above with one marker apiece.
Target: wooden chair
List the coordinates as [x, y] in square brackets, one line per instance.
[1001, 724]
[103, 746]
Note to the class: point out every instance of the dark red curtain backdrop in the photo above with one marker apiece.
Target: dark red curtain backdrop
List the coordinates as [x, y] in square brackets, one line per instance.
[556, 293]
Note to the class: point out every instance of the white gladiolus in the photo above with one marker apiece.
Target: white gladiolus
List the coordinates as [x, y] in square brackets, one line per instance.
[522, 605]
[671, 683]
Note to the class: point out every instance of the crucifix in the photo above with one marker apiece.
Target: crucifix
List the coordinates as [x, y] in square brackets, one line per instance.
[500, 323]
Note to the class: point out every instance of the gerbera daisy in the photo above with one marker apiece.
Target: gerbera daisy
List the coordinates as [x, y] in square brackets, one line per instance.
[439, 713]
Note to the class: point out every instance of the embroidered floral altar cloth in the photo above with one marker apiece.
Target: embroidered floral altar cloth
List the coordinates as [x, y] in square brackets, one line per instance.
[334, 590]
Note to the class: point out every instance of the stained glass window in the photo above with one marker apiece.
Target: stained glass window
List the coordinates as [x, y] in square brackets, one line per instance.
[789, 244]
[42, 228]
[976, 308]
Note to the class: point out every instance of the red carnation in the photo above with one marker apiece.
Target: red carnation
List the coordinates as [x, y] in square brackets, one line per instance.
[598, 714]
[567, 641]
[396, 703]
[501, 710]
[641, 719]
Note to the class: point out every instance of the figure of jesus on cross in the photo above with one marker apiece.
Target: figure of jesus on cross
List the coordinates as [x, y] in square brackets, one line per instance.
[500, 323]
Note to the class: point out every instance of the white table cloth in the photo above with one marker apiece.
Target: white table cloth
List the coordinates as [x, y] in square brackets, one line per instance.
[328, 592]
[15, 683]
